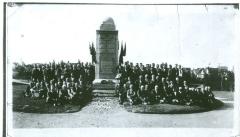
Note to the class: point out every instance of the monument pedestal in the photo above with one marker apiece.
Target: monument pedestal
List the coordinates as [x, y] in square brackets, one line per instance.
[106, 56]
[104, 84]
[97, 81]
[106, 52]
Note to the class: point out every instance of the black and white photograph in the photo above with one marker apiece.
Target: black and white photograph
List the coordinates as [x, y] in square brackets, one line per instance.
[121, 69]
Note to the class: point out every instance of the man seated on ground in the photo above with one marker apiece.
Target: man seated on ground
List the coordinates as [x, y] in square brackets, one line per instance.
[209, 95]
[186, 95]
[49, 98]
[142, 95]
[28, 92]
[70, 92]
[79, 93]
[84, 88]
[163, 95]
[87, 89]
[176, 96]
[195, 96]
[190, 96]
[73, 94]
[149, 94]
[156, 93]
[122, 93]
[201, 97]
[182, 96]
[132, 96]
[177, 83]
[64, 95]
[42, 90]
[169, 92]
[118, 83]
[35, 90]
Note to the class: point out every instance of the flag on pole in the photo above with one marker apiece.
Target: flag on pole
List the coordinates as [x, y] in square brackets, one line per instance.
[93, 53]
[121, 55]
[124, 50]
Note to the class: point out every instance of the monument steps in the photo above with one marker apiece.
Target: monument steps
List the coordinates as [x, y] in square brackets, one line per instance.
[104, 93]
[99, 86]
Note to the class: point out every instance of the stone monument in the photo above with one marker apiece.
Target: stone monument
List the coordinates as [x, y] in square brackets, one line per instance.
[107, 45]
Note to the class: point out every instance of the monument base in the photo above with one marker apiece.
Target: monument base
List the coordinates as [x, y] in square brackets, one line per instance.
[102, 81]
[104, 84]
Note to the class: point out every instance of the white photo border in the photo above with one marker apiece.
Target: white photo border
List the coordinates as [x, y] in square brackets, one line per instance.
[118, 132]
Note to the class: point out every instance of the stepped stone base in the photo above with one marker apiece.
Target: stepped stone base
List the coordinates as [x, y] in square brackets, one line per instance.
[104, 87]
[104, 84]
[101, 80]
[104, 93]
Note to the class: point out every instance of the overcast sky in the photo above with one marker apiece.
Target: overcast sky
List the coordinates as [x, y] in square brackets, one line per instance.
[191, 35]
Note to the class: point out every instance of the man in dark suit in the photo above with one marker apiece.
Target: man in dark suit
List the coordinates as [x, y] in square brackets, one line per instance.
[157, 94]
[132, 96]
[142, 95]
[122, 94]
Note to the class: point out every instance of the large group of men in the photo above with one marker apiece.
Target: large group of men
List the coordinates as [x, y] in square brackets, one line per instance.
[61, 83]
[161, 83]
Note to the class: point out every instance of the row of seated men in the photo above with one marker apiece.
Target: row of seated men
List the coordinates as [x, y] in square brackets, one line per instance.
[147, 85]
[169, 95]
[59, 93]
[47, 72]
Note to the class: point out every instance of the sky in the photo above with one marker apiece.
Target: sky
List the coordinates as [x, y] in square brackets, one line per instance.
[191, 35]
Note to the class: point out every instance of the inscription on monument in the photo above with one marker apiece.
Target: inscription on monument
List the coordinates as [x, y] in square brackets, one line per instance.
[106, 66]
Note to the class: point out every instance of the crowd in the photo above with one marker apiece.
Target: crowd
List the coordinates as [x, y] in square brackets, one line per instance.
[161, 83]
[61, 83]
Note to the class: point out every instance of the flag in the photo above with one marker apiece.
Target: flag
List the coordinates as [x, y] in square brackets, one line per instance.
[124, 51]
[92, 52]
[121, 55]
[90, 48]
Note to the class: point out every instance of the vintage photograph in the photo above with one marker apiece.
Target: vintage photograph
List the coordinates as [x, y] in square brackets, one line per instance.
[120, 66]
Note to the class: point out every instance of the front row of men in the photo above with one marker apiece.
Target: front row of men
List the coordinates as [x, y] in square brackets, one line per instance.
[166, 94]
[57, 93]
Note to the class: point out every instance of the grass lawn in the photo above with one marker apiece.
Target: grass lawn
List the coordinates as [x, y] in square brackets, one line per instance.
[170, 108]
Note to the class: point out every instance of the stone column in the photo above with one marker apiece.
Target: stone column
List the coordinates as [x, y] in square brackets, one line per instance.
[106, 50]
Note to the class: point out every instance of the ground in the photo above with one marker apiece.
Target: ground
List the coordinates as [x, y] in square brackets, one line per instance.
[106, 112]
